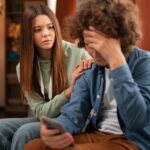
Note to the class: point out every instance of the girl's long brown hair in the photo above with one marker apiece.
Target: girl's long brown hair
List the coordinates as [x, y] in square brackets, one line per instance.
[28, 60]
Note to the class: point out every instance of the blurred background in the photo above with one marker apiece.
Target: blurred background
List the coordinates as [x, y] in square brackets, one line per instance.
[10, 23]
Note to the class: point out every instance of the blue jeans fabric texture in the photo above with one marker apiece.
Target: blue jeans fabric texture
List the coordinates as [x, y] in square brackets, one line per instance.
[16, 132]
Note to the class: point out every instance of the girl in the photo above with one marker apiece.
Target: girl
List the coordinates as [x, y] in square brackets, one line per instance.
[46, 73]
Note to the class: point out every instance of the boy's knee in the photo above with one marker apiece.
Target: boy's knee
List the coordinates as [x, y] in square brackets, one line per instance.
[35, 144]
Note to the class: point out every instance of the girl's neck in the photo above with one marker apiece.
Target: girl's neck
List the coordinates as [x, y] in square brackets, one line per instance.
[44, 57]
[44, 54]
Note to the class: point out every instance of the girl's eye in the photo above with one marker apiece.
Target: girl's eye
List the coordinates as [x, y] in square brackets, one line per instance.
[36, 30]
[50, 27]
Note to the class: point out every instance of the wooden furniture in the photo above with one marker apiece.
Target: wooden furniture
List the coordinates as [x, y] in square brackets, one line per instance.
[13, 103]
[2, 54]
[14, 11]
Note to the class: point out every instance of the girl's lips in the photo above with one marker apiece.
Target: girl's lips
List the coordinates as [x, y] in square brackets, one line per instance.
[47, 42]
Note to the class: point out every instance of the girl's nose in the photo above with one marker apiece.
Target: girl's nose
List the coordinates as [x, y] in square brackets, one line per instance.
[45, 32]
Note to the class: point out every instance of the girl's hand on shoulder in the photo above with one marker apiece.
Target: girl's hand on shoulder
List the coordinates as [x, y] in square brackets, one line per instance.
[79, 69]
[52, 139]
[85, 64]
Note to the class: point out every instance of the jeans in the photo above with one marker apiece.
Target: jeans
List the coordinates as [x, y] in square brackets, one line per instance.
[16, 132]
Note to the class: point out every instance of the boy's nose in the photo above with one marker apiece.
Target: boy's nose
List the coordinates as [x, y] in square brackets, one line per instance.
[93, 53]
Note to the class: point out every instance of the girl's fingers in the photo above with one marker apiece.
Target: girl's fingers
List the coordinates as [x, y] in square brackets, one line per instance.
[90, 62]
[85, 64]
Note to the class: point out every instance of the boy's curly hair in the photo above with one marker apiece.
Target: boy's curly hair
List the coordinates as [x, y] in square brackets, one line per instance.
[115, 18]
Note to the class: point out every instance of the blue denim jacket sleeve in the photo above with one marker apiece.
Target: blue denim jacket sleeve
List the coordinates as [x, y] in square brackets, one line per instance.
[132, 91]
[74, 114]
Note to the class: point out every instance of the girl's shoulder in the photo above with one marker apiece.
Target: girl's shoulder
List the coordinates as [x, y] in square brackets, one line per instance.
[73, 49]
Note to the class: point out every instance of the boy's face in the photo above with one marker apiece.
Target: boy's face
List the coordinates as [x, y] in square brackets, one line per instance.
[99, 60]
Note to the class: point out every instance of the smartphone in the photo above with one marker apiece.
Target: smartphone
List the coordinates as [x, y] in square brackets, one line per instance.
[53, 124]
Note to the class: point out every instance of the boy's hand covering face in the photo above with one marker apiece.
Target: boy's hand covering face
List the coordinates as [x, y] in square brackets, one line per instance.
[107, 48]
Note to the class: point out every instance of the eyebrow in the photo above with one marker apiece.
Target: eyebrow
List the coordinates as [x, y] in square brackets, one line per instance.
[41, 25]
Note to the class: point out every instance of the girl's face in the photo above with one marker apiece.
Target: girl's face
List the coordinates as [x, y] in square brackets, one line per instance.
[43, 34]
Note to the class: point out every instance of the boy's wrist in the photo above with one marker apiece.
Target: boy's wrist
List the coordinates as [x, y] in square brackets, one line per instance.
[116, 63]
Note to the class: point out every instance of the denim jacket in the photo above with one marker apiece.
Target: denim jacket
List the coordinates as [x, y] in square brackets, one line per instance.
[131, 84]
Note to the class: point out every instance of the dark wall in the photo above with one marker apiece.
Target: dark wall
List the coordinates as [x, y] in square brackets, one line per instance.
[65, 8]
[144, 7]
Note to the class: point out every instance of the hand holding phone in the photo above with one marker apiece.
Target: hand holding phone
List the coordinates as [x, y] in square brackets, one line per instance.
[53, 124]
